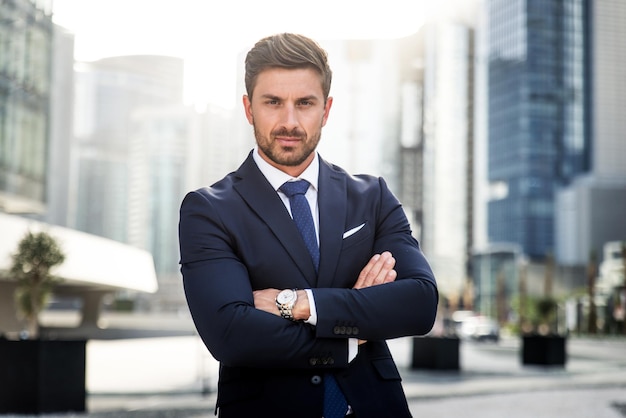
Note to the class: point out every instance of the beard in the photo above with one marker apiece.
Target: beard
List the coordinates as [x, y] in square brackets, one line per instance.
[289, 156]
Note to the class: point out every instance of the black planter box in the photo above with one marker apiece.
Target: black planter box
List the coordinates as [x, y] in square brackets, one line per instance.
[436, 353]
[543, 350]
[40, 376]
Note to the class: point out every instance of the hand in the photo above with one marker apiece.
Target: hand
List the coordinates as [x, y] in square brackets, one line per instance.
[265, 300]
[378, 270]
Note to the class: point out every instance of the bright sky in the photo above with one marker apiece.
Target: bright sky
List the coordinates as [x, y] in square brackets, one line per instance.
[209, 34]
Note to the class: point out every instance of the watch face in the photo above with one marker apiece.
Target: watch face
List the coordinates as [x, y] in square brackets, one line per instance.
[285, 296]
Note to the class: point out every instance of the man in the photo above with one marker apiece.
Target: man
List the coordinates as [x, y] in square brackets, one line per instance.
[293, 307]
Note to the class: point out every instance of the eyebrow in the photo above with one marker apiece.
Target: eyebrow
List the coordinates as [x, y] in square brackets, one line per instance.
[311, 97]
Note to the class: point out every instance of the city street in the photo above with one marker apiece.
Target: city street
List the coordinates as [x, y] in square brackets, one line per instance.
[481, 141]
[176, 377]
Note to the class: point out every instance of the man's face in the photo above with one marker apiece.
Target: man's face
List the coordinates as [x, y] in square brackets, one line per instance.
[288, 112]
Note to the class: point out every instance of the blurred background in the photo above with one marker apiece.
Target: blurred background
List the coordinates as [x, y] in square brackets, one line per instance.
[499, 124]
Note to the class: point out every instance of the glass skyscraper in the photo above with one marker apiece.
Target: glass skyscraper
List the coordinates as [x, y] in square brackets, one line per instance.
[25, 65]
[538, 125]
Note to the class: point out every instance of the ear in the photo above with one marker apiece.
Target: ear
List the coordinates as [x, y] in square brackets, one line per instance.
[329, 103]
[247, 106]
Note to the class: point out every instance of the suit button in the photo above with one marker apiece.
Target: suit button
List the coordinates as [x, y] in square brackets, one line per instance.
[337, 330]
[342, 330]
[355, 330]
[312, 361]
[316, 380]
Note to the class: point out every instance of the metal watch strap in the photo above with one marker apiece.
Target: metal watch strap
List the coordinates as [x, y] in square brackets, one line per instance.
[285, 312]
[285, 309]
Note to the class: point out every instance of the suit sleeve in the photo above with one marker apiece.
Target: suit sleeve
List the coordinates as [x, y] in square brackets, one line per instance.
[405, 307]
[219, 295]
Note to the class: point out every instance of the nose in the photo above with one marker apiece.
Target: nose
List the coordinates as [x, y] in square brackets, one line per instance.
[289, 118]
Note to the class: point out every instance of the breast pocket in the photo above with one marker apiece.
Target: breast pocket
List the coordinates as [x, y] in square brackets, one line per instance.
[356, 234]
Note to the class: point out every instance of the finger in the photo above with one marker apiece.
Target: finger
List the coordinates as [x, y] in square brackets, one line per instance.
[390, 277]
[385, 271]
[377, 270]
[371, 270]
[361, 281]
[373, 277]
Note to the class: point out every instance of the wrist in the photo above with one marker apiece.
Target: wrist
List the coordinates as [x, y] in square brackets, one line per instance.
[301, 309]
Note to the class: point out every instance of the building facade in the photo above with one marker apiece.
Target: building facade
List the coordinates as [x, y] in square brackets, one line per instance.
[538, 115]
[173, 150]
[437, 146]
[36, 66]
[26, 33]
[592, 208]
[107, 93]
[61, 129]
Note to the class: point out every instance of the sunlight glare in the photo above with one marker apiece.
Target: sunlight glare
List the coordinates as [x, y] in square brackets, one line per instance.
[211, 35]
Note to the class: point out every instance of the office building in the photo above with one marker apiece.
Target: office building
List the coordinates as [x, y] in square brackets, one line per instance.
[36, 59]
[25, 65]
[61, 129]
[108, 92]
[591, 209]
[538, 116]
[437, 145]
[173, 150]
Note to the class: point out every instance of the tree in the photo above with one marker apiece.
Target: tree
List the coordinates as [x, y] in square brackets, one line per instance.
[592, 271]
[547, 306]
[621, 300]
[37, 254]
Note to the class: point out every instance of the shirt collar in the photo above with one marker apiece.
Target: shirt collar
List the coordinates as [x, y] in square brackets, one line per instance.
[277, 178]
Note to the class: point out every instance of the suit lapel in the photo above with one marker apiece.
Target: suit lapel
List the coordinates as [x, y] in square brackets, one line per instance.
[332, 207]
[265, 202]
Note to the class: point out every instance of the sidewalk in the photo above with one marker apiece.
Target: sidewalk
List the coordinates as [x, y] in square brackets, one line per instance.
[494, 384]
[580, 403]
[176, 377]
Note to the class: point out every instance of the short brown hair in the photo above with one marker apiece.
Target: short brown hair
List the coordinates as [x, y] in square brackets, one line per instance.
[287, 50]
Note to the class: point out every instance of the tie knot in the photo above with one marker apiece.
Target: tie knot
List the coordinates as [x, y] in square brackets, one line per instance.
[292, 188]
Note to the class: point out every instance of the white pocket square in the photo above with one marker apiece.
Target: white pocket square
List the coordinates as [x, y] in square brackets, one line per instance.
[353, 231]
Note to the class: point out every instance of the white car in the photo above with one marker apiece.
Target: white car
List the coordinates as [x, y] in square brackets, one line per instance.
[479, 328]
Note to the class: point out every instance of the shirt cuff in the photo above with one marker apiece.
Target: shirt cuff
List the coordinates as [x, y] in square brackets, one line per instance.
[353, 348]
[312, 310]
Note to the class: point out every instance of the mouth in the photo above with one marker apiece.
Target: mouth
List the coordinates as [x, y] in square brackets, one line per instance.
[288, 140]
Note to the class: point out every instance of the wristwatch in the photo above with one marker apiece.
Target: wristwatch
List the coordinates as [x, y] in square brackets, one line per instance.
[285, 301]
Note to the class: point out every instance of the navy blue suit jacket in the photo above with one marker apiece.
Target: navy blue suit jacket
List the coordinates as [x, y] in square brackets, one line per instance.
[237, 236]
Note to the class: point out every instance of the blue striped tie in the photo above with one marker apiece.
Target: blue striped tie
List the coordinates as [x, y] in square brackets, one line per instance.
[335, 404]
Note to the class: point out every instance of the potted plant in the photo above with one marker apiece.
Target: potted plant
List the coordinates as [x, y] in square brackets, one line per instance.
[544, 346]
[39, 375]
[37, 254]
[541, 342]
[440, 349]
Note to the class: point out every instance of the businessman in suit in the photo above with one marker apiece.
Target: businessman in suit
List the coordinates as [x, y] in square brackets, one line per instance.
[295, 292]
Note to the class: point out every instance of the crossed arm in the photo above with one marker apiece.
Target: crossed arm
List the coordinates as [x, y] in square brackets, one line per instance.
[235, 319]
[379, 270]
